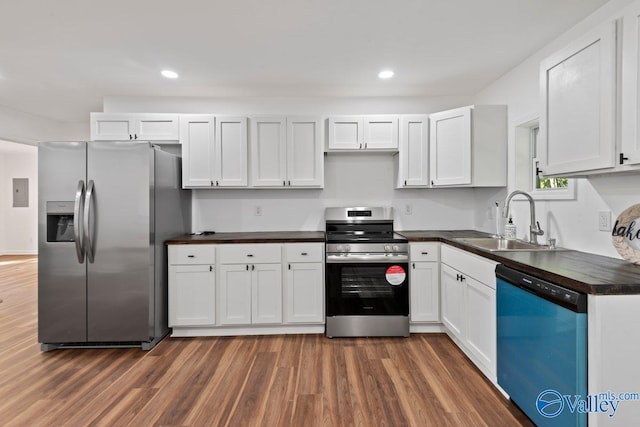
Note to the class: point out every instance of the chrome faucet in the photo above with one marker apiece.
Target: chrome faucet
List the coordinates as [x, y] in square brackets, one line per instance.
[534, 228]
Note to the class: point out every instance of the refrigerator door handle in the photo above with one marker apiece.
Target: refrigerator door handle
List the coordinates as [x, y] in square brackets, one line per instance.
[87, 230]
[77, 230]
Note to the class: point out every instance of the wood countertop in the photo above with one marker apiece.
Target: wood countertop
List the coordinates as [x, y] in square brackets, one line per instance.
[250, 237]
[579, 271]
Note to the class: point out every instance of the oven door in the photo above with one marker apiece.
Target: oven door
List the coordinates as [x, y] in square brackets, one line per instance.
[367, 288]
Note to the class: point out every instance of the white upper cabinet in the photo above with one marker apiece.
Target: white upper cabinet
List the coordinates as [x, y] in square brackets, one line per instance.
[468, 146]
[145, 127]
[578, 92]
[287, 152]
[630, 140]
[214, 151]
[377, 132]
[413, 152]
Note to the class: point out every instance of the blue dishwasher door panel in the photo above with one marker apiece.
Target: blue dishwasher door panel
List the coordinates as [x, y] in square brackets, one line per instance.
[541, 346]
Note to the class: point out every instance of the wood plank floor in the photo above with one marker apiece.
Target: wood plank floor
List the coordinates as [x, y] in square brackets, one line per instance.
[294, 380]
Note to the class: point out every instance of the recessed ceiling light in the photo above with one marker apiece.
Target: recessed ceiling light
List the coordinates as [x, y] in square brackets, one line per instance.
[385, 74]
[170, 74]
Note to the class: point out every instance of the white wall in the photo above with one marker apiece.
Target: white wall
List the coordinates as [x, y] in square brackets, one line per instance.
[350, 178]
[18, 226]
[574, 223]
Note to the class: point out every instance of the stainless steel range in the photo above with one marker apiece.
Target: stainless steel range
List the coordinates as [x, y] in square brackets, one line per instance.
[367, 274]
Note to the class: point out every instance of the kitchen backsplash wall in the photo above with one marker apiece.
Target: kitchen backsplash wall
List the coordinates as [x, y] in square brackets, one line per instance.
[350, 179]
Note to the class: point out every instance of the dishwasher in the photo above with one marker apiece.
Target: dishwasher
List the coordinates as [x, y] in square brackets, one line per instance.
[542, 347]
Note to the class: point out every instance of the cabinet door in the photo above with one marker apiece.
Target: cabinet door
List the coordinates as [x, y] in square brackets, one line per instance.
[234, 294]
[413, 156]
[305, 293]
[577, 131]
[231, 152]
[157, 127]
[631, 84]
[452, 301]
[380, 132]
[197, 133]
[424, 292]
[112, 127]
[305, 157]
[266, 293]
[268, 152]
[346, 133]
[481, 323]
[450, 147]
[191, 295]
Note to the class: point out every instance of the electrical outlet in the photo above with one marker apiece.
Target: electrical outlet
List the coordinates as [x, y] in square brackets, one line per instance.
[258, 211]
[408, 210]
[604, 220]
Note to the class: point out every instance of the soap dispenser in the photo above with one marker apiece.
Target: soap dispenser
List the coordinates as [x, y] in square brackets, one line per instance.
[510, 230]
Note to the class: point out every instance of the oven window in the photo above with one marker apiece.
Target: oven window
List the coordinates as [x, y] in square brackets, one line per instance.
[367, 289]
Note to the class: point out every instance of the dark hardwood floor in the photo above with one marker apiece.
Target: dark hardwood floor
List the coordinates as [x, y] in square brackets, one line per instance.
[293, 380]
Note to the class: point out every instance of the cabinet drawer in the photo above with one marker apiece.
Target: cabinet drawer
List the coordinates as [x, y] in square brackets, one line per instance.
[192, 254]
[481, 269]
[250, 253]
[304, 252]
[424, 252]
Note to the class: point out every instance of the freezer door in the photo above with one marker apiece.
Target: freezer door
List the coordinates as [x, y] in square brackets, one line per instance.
[62, 292]
[119, 240]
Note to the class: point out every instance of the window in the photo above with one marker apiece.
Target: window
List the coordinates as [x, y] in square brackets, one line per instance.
[528, 175]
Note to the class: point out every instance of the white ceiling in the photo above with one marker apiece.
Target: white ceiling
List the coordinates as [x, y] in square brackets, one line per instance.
[58, 59]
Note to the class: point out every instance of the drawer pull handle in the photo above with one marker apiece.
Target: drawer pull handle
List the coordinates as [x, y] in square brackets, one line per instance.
[304, 254]
[250, 255]
[191, 256]
[424, 253]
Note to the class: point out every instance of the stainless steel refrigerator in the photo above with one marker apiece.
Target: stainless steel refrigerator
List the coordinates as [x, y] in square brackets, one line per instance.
[104, 211]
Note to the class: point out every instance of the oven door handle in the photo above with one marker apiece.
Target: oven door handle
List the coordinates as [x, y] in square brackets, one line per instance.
[367, 258]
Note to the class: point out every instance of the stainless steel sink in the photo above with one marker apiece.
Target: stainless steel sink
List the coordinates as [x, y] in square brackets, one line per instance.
[495, 245]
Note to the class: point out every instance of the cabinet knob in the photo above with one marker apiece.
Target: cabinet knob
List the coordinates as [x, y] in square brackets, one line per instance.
[210, 268]
[247, 267]
[365, 145]
[289, 182]
[253, 267]
[130, 136]
[217, 183]
[135, 136]
[405, 182]
[284, 183]
[414, 265]
[360, 146]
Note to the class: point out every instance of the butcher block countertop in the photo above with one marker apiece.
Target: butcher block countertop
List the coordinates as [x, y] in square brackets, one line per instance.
[250, 237]
[579, 271]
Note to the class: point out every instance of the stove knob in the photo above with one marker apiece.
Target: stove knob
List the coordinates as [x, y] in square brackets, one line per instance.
[396, 248]
[347, 248]
[387, 248]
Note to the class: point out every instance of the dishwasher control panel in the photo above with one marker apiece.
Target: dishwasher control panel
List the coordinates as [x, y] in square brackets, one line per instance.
[573, 300]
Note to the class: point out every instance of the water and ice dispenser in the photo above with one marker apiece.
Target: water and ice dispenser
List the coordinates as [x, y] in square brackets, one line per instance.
[60, 222]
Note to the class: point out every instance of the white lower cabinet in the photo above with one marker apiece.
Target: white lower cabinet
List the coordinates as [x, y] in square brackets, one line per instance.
[244, 289]
[192, 285]
[424, 283]
[304, 283]
[468, 298]
[250, 284]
